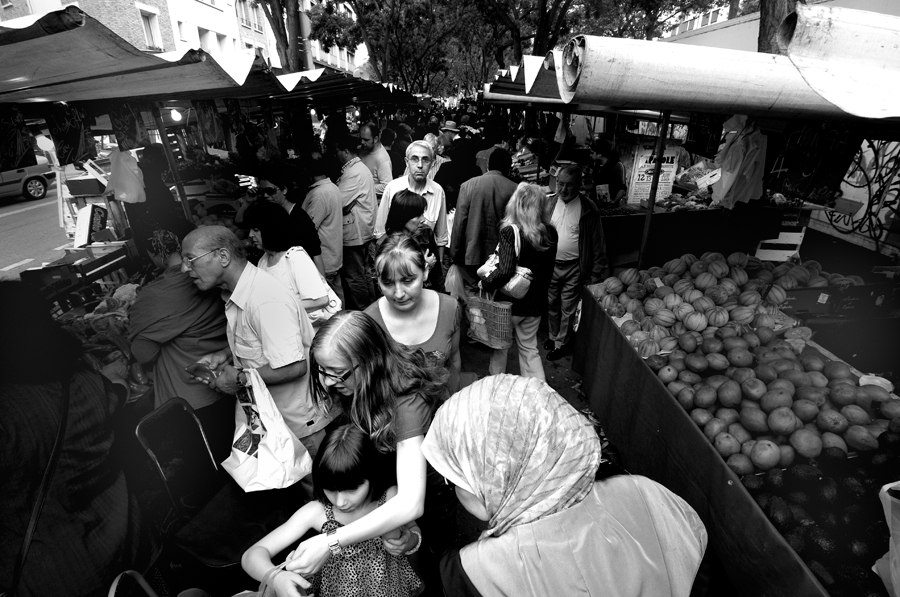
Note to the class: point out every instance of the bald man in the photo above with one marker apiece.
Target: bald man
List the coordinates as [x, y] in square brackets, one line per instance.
[376, 158]
[267, 330]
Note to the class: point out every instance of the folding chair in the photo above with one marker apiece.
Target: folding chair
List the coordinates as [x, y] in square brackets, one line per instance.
[218, 521]
[174, 440]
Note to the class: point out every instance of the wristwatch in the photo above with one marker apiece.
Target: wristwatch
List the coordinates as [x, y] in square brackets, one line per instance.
[333, 544]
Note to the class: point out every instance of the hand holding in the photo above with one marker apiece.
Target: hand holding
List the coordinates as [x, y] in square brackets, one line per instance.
[396, 544]
[310, 556]
[285, 584]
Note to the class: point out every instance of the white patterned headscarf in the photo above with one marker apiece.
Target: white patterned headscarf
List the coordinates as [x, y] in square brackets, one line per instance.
[517, 445]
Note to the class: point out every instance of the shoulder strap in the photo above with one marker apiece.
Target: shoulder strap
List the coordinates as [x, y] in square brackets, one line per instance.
[43, 489]
[518, 244]
[329, 512]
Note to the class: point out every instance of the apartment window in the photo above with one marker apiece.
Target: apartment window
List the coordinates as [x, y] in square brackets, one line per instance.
[715, 17]
[5, 3]
[244, 10]
[203, 34]
[258, 18]
[151, 30]
[181, 31]
[222, 43]
[705, 20]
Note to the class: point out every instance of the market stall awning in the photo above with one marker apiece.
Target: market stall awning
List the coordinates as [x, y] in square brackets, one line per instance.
[849, 57]
[538, 82]
[841, 64]
[68, 56]
[320, 87]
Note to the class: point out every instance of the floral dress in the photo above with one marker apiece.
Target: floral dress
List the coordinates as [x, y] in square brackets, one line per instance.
[364, 569]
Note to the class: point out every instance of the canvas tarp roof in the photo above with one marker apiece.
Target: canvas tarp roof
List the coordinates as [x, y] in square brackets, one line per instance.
[69, 56]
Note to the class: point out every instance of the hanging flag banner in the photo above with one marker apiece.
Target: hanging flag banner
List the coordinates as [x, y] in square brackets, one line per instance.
[16, 149]
[71, 133]
[128, 125]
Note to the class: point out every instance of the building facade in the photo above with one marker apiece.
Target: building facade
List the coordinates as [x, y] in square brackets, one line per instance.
[219, 27]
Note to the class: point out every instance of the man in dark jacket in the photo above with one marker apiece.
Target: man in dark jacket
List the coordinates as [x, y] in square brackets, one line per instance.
[479, 210]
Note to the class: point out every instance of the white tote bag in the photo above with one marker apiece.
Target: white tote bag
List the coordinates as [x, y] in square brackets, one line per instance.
[265, 453]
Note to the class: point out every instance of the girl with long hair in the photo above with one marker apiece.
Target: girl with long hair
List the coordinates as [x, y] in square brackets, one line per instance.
[527, 212]
[391, 394]
[412, 314]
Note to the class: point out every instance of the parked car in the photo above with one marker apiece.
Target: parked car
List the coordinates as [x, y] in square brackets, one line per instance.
[30, 182]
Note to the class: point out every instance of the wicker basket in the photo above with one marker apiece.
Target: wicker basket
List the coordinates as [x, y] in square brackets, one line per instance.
[490, 321]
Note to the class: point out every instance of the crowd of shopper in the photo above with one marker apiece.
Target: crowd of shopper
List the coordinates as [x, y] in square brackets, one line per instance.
[346, 315]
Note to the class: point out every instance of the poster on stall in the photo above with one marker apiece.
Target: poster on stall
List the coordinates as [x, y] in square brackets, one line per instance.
[642, 174]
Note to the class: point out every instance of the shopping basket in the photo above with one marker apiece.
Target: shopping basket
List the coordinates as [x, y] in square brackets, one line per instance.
[490, 321]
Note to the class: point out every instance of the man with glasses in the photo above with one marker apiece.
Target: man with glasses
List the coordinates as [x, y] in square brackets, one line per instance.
[357, 189]
[376, 158]
[419, 159]
[267, 330]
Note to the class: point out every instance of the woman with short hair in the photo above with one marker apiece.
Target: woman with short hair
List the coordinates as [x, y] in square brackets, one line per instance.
[272, 231]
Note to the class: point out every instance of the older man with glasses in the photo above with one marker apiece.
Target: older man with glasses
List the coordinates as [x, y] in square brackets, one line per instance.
[267, 331]
[419, 160]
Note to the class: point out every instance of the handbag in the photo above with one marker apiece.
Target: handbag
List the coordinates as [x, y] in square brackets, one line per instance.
[265, 453]
[517, 286]
[490, 321]
[43, 490]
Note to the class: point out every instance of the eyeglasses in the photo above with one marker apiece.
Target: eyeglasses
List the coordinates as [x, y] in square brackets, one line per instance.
[338, 377]
[189, 263]
[416, 159]
[266, 191]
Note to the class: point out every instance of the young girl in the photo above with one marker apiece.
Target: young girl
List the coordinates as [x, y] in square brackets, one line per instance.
[351, 480]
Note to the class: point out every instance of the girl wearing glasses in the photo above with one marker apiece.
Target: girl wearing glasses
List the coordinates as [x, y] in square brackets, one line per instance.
[391, 395]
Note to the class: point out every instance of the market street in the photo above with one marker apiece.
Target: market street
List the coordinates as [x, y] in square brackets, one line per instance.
[29, 234]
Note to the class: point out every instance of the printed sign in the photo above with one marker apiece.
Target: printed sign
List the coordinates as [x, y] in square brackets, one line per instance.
[642, 174]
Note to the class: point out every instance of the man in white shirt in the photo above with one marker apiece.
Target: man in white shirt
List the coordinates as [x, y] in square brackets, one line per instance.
[376, 158]
[324, 206]
[358, 196]
[566, 283]
[419, 159]
[267, 330]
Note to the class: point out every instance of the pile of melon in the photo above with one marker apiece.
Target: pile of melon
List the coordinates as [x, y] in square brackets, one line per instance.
[762, 400]
[688, 294]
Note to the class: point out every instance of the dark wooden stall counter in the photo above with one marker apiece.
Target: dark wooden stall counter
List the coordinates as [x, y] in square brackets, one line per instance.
[657, 439]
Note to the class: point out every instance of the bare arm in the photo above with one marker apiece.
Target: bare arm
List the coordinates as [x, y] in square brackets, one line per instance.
[257, 560]
[407, 506]
[227, 381]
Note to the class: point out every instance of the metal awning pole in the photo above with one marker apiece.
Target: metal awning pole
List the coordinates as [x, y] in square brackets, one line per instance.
[170, 157]
[654, 184]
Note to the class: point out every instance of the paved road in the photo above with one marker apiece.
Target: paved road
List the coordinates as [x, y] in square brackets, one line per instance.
[29, 234]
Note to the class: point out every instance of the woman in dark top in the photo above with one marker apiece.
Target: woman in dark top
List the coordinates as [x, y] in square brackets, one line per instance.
[89, 529]
[529, 210]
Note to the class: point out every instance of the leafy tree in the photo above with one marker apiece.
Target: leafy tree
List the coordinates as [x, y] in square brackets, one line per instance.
[407, 40]
[538, 25]
[637, 19]
[284, 20]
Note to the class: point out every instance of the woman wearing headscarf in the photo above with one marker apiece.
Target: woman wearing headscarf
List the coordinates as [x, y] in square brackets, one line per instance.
[525, 461]
[172, 324]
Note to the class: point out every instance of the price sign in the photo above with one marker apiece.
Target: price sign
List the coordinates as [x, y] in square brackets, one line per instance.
[642, 174]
